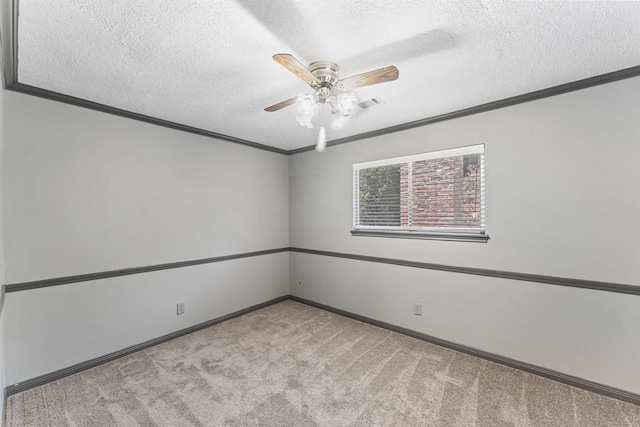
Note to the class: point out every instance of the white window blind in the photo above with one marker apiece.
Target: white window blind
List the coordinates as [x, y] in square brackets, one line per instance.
[438, 192]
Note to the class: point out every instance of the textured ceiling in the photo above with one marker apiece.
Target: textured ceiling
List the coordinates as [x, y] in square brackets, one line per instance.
[207, 64]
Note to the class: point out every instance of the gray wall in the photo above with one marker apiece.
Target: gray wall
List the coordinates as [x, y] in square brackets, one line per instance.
[562, 199]
[2, 379]
[2, 296]
[3, 36]
[87, 192]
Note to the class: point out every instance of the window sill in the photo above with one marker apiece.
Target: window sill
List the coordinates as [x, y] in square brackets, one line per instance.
[457, 237]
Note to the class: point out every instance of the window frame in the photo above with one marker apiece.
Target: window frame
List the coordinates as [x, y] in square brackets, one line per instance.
[430, 233]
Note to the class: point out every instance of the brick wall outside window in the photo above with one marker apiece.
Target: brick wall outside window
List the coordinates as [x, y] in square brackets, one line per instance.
[444, 193]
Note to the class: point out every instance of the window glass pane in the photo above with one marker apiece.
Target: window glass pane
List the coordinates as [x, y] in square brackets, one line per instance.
[446, 192]
[379, 196]
[472, 195]
[436, 192]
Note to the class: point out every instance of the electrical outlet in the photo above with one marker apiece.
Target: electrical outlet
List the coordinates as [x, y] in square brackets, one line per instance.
[417, 309]
[180, 308]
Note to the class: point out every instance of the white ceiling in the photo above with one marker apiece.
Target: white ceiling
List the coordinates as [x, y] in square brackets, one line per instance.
[207, 63]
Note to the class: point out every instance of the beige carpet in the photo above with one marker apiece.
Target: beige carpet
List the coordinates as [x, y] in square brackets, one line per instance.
[293, 365]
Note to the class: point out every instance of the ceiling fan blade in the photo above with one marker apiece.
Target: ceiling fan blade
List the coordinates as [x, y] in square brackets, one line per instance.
[293, 65]
[281, 105]
[374, 77]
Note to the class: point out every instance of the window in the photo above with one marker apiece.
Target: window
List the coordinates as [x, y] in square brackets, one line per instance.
[438, 195]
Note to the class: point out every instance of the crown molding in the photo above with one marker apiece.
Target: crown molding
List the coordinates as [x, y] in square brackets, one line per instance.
[55, 96]
[10, 70]
[507, 102]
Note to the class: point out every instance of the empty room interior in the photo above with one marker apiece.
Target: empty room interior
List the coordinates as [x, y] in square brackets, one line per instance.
[296, 213]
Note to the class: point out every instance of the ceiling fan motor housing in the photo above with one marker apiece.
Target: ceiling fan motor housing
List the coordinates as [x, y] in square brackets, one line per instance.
[326, 72]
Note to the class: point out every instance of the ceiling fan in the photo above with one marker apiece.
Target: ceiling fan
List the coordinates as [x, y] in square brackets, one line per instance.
[322, 76]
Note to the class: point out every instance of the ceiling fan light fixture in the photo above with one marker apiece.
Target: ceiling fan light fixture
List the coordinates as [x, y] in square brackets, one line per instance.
[347, 102]
[307, 107]
[306, 103]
